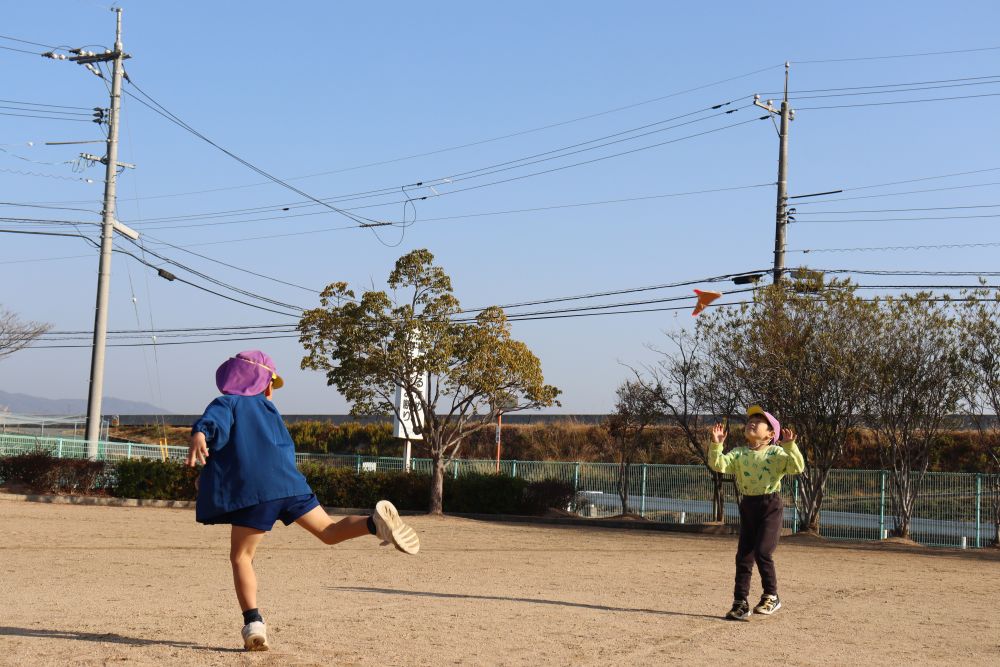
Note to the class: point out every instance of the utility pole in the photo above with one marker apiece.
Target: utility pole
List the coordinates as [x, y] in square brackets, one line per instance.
[109, 224]
[781, 212]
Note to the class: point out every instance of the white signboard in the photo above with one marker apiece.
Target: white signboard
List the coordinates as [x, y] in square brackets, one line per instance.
[409, 414]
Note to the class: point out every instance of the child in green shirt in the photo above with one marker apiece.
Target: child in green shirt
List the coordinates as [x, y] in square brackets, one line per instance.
[757, 468]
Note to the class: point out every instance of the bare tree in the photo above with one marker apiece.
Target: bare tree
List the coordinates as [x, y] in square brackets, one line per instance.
[799, 349]
[636, 409]
[15, 334]
[979, 338]
[913, 385]
[688, 395]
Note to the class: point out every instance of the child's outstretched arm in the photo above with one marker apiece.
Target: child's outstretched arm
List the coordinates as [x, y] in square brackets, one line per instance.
[794, 461]
[197, 449]
[718, 461]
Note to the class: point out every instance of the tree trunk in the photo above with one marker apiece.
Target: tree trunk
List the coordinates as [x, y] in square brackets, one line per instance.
[623, 482]
[437, 485]
[718, 498]
[812, 501]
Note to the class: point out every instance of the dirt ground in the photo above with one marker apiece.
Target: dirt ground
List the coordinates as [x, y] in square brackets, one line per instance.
[82, 585]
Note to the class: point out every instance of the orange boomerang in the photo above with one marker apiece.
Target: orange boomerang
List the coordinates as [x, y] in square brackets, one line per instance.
[704, 298]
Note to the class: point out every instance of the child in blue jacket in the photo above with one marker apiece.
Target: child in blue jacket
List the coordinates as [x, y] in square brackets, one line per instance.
[250, 480]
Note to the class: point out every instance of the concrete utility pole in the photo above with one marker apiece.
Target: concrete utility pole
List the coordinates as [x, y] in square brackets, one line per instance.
[87, 58]
[781, 212]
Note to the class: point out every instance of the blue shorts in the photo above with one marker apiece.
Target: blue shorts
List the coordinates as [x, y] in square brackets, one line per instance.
[263, 515]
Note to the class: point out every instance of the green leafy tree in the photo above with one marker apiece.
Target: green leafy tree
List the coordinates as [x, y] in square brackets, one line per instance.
[16, 334]
[456, 372]
[800, 349]
[913, 385]
[979, 343]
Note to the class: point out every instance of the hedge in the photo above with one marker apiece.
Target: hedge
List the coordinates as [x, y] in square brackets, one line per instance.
[335, 486]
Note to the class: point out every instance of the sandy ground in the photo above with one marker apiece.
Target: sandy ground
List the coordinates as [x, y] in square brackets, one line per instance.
[143, 586]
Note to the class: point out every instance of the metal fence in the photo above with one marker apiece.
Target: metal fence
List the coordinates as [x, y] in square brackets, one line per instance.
[952, 509]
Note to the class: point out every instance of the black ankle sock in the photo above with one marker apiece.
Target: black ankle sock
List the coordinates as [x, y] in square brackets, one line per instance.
[251, 615]
[371, 525]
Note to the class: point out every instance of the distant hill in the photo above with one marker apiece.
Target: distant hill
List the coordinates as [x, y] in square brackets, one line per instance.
[33, 405]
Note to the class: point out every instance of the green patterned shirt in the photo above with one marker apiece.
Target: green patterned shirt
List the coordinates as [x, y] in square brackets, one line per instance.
[757, 472]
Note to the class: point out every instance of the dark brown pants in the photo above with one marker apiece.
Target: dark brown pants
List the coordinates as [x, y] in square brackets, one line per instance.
[760, 526]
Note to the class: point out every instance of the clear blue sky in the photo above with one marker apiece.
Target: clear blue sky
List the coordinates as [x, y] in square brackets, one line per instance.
[301, 89]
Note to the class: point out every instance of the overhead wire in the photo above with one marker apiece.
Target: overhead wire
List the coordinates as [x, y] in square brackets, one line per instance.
[557, 153]
[163, 111]
[483, 141]
[479, 214]
[889, 103]
[576, 164]
[896, 56]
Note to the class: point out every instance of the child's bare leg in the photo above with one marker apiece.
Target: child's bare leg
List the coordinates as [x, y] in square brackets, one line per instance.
[242, 547]
[319, 523]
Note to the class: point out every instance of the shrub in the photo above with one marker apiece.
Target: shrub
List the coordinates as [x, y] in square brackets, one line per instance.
[149, 478]
[546, 493]
[338, 486]
[342, 486]
[484, 493]
[40, 472]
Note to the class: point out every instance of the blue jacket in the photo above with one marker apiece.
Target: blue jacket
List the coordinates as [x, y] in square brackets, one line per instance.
[251, 456]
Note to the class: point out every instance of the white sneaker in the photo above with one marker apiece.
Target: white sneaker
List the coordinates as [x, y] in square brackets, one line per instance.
[255, 636]
[391, 530]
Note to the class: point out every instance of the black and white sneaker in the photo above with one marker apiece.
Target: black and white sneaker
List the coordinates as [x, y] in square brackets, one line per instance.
[768, 605]
[740, 611]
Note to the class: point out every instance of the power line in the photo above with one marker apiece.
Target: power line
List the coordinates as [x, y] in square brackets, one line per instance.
[879, 104]
[44, 206]
[477, 214]
[205, 289]
[25, 41]
[40, 104]
[21, 172]
[569, 166]
[896, 194]
[895, 88]
[900, 210]
[473, 173]
[28, 115]
[209, 278]
[882, 85]
[163, 111]
[10, 48]
[237, 268]
[945, 217]
[898, 55]
[482, 141]
[924, 178]
[47, 111]
[901, 247]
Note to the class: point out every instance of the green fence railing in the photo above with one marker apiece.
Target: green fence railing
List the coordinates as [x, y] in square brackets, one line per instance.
[951, 509]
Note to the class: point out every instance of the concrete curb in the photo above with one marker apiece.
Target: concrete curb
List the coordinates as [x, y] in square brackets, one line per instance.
[702, 529]
[102, 501]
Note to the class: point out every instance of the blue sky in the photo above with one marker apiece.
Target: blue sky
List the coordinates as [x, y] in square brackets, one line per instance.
[313, 92]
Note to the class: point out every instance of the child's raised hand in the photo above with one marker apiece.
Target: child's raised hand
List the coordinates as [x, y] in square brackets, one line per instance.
[197, 449]
[718, 433]
[787, 434]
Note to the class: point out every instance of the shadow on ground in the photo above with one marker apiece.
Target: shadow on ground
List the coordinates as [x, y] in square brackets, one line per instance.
[107, 638]
[502, 598]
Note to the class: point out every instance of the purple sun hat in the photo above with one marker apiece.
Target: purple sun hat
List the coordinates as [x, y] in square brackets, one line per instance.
[247, 374]
[775, 424]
